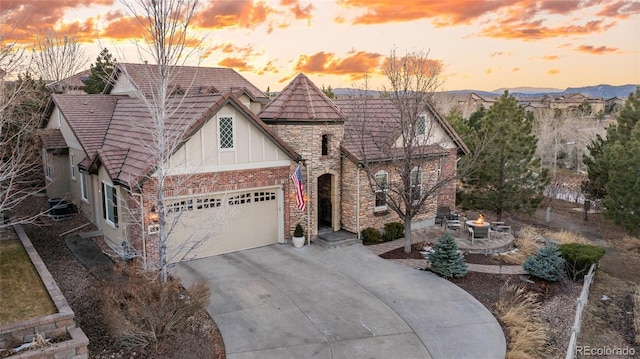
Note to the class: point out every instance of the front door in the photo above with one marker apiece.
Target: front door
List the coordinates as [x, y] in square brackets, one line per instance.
[325, 207]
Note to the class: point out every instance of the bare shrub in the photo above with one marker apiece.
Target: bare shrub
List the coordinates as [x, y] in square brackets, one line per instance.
[142, 312]
[565, 237]
[630, 244]
[520, 313]
[636, 312]
[527, 244]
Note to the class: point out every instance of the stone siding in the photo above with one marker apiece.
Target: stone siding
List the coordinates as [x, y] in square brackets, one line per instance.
[368, 216]
[447, 194]
[306, 140]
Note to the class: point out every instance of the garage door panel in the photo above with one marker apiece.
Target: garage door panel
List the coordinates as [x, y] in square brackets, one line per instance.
[225, 223]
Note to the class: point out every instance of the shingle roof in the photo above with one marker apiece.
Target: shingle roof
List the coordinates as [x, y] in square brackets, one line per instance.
[197, 80]
[88, 116]
[125, 140]
[372, 126]
[301, 101]
[52, 139]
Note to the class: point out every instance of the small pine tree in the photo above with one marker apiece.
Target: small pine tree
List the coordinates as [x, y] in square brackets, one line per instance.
[547, 264]
[445, 259]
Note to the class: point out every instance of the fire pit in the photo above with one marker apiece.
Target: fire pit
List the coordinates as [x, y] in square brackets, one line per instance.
[480, 227]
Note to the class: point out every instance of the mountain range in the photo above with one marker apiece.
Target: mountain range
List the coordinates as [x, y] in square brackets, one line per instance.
[603, 90]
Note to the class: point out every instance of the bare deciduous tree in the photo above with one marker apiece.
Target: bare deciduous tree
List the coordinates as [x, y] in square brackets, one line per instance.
[411, 145]
[20, 170]
[56, 57]
[164, 27]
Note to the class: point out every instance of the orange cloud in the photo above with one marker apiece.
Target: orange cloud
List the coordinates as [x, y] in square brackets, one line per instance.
[535, 31]
[620, 9]
[248, 14]
[553, 72]
[300, 12]
[235, 63]
[600, 50]
[22, 19]
[233, 13]
[123, 28]
[551, 57]
[488, 71]
[515, 69]
[446, 13]
[356, 66]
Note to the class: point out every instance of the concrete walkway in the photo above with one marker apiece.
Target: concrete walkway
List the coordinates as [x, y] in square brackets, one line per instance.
[385, 247]
[281, 302]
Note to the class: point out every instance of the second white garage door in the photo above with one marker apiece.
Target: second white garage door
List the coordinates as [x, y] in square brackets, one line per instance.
[222, 223]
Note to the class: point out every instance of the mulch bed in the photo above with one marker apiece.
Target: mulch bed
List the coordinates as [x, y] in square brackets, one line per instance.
[201, 339]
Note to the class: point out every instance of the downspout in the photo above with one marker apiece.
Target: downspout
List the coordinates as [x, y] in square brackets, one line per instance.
[144, 239]
[358, 200]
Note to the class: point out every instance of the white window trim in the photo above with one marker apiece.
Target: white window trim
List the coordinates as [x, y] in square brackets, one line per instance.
[106, 204]
[72, 161]
[233, 133]
[48, 170]
[381, 190]
[84, 191]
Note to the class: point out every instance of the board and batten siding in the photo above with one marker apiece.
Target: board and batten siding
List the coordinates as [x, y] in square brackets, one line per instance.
[251, 148]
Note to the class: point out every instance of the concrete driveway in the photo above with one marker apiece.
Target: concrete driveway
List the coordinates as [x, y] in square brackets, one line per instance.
[282, 302]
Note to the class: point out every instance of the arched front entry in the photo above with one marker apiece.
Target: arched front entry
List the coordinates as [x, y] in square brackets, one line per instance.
[328, 205]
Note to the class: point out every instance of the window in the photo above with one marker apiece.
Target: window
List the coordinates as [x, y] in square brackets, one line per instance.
[325, 145]
[421, 125]
[416, 184]
[225, 128]
[83, 187]
[47, 166]
[72, 162]
[382, 187]
[110, 204]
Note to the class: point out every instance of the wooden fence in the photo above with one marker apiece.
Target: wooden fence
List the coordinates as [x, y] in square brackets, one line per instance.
[582, 302]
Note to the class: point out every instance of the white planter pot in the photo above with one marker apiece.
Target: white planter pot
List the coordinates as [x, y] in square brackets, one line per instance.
[298, 242]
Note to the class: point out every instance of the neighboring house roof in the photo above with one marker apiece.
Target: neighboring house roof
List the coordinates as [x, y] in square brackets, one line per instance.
[372, 124]
[197, 80]
[117, 131]
[73, 82]
[301, 101]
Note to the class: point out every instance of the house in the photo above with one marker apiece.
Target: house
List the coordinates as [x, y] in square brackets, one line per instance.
[228, 177]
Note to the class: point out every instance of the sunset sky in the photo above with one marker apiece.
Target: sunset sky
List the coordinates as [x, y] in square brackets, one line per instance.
[483, 45]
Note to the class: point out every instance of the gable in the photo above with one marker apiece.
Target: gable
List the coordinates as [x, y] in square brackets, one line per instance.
[252, 147]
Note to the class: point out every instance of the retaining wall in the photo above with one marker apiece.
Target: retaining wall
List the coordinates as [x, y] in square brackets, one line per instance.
[49, 326]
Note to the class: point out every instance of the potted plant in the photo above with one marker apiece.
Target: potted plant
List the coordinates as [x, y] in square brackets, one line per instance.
[298, 236]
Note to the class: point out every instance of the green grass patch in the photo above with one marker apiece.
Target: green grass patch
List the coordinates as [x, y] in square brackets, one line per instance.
[22, 293]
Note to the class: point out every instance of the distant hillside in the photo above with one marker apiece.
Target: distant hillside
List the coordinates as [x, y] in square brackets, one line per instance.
[604, 91]
[527, 90]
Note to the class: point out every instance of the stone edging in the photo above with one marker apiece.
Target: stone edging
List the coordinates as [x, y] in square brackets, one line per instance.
[51, 325]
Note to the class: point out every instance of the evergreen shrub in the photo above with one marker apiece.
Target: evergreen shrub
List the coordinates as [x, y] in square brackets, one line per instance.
[579, 257]
[445, 259]
[393, 230]
[371, 235]
[547, 264]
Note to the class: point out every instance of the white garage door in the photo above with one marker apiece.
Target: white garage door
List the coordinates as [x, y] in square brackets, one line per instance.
[222, 223]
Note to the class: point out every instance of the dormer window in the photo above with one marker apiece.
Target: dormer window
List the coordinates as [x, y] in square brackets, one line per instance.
[421, 125]
[325, 145]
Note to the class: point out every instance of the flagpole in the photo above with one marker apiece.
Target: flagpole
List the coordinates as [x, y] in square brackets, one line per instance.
[308, 206]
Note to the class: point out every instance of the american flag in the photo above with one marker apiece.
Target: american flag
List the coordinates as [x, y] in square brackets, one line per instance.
[296, 178]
